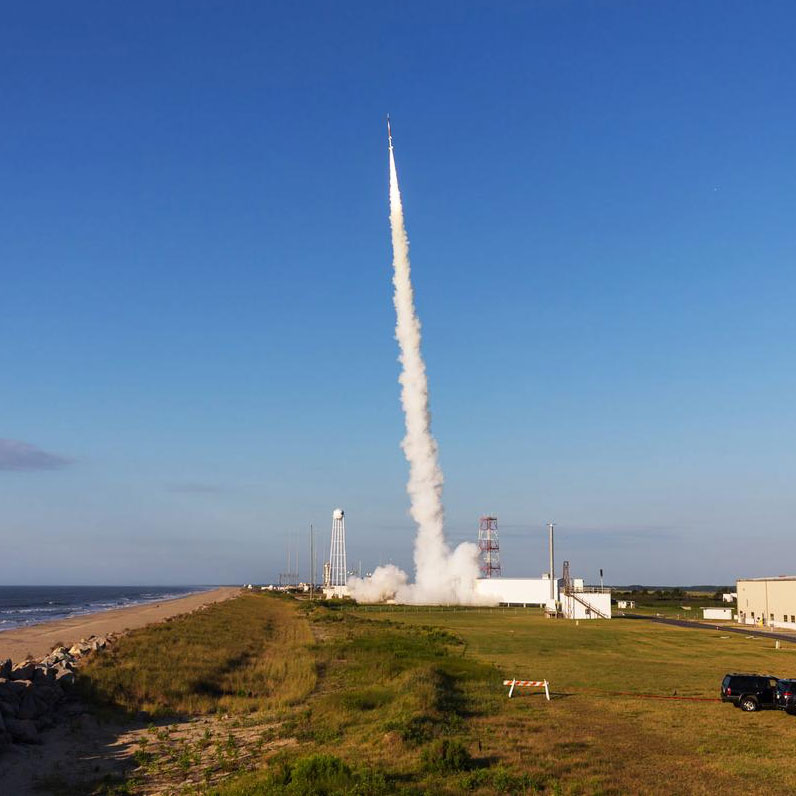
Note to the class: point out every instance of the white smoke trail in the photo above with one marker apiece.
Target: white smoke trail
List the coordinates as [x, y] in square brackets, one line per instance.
[441, 576]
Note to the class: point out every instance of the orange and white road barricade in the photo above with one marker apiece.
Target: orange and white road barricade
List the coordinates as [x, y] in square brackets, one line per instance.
[528, 684]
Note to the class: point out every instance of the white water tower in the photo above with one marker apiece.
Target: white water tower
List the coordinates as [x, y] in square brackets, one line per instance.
[337, 562]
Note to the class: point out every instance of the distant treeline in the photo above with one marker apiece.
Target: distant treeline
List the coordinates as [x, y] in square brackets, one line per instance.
[675, 593]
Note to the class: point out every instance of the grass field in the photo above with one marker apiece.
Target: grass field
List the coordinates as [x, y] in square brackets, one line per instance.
[395, 700]
[592, 739]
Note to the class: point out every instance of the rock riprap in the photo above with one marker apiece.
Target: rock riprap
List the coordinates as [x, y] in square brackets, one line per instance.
[31, 691]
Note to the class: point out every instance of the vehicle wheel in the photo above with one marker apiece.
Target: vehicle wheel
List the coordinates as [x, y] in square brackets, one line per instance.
[791, 711]
[748, 703]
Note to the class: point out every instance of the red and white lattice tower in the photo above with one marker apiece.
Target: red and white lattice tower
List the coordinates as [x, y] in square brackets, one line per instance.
[489, 547]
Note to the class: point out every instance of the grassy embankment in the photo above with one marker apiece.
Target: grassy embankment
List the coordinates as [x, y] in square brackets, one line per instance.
[319, 701]
[231, 657]
[390, 701]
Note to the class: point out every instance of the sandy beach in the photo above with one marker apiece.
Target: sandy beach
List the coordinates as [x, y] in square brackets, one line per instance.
[38, 640]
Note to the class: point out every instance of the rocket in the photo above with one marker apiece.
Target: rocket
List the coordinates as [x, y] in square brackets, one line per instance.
[389, 131]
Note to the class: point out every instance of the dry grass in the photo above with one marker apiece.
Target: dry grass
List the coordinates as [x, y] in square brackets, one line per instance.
[240, 656]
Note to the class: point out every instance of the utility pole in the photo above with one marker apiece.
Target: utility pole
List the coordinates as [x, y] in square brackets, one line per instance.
[550, 527]
[312, 563]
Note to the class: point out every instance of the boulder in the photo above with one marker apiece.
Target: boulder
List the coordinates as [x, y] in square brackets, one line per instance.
[23, 671]
[65, 678]
[23, 730]
[39, 701]
[5, 737]
[44, 674]
[31, 706]
[50, 694]
[79, 649]
[8, 709]
[45, 722]
[5, 668]
[56, 656]
[12, 690]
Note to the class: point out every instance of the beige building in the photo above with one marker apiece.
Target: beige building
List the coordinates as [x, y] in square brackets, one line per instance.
[768, 601]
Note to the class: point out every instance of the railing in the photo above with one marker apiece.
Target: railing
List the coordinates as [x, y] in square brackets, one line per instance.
[586, 604]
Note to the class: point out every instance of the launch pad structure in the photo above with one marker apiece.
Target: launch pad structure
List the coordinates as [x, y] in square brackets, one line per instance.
[489, 547]
[565, 597]
[338, 571]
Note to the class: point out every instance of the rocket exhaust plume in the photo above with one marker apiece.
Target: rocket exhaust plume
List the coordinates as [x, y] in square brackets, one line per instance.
[441, 575]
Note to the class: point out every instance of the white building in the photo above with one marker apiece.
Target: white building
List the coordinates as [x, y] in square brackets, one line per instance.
[579, 604]
[518, 591]
[723, 614]
[625, 603]
[586, 605]
[729, 597]
[768, 601]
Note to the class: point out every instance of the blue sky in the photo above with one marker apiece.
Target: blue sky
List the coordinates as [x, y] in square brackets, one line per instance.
[196, 310]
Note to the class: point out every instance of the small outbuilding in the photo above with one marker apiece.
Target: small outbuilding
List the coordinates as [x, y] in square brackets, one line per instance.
[586, 605]
[722, 614]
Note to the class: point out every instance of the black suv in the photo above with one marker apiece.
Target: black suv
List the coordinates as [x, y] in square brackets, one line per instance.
[750, 691]
[786, 696]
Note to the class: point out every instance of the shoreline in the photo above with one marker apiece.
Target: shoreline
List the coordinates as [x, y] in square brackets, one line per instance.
[99, 608]
[39, 639]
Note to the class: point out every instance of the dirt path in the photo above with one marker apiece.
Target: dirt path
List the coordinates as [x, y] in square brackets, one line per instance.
[80, 752]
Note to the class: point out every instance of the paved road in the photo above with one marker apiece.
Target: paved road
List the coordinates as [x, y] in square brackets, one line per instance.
[791, 639]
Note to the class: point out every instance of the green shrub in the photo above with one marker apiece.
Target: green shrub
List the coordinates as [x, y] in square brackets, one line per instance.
[366, 698]
[447, 756]
[415, 731]
[319, 774]
[501, 780]
[315, 775]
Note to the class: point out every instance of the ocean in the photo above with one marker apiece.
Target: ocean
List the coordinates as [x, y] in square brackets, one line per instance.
[21, 606]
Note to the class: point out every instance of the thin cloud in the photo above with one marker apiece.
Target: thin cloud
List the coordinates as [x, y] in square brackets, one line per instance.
[18, 456]
[192, 488]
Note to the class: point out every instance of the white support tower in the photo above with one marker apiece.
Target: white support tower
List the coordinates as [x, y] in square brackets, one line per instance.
[337, 563]
[550, 527]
